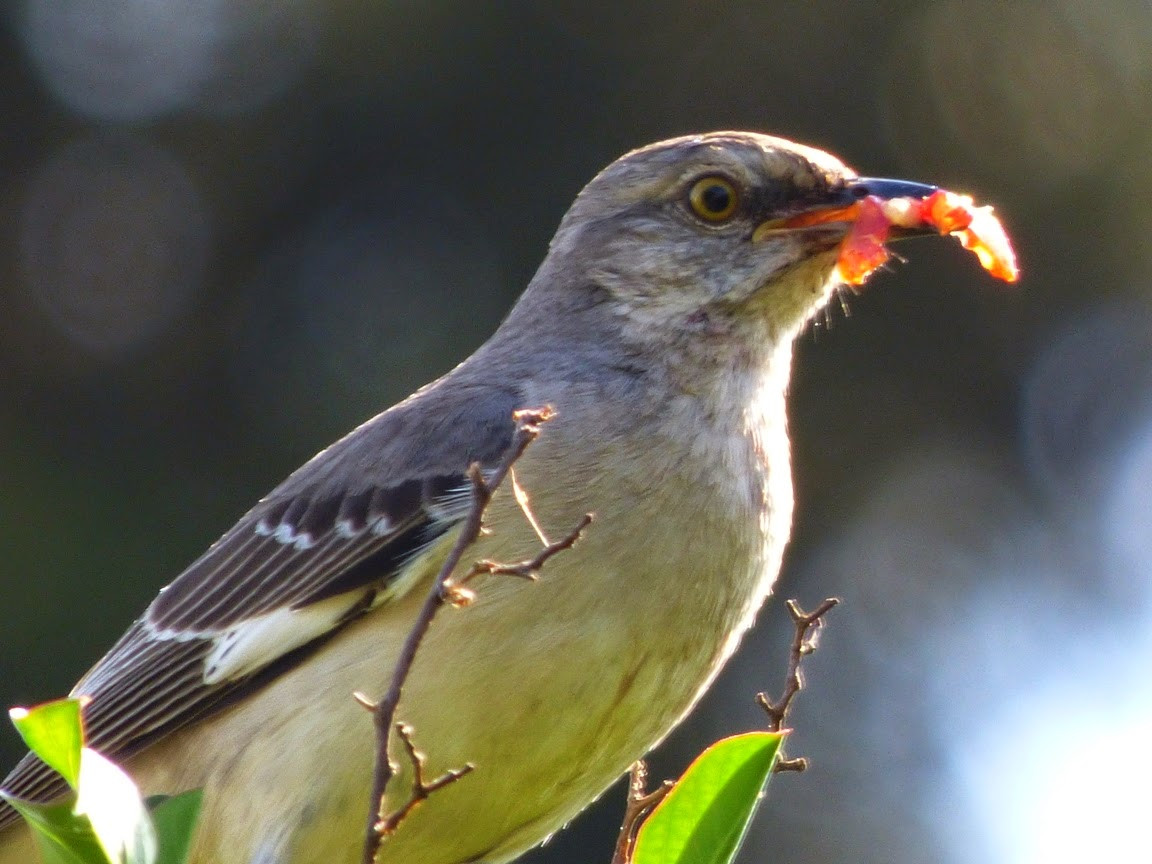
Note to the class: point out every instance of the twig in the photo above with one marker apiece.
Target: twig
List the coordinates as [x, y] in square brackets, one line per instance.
[807, 626]
[421, 788]
[457, 594]
[640, 804]
[528, 425]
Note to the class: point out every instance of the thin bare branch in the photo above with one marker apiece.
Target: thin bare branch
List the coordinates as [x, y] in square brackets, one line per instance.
[798, 765]
[640, 804]
[521, 496]
[380, 823]
[807, 626]
[421, 788]
[528, 569]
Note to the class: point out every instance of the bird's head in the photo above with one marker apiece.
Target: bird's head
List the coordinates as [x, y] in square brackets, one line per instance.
[690, 237]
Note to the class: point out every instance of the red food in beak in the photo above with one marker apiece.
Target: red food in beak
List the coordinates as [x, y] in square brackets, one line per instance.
[863, 249]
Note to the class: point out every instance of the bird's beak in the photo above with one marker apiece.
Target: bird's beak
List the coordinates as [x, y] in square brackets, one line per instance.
[840, 207]
[880, 187]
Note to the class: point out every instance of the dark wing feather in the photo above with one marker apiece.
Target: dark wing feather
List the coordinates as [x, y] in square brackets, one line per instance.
[328, 543]
[287, 552]
[153, 681]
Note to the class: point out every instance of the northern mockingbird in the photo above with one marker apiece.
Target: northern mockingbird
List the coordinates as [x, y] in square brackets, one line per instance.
[660, 328]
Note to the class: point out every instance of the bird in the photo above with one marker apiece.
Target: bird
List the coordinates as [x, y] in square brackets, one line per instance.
[659, 330]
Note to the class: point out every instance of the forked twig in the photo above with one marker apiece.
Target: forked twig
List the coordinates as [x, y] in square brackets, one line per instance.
[640, 804]
[456, 592]
[807, 626]
[421, 788]
[380, 823]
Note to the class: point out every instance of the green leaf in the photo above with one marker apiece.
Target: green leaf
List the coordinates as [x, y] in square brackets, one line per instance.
[55, 733]
[61, 835]
[704, 818]
[103, 819]
[175, 821]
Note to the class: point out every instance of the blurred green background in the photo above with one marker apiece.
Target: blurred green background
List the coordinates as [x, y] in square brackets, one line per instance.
[230, 230]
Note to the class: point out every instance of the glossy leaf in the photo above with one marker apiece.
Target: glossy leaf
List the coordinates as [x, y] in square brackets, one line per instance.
[102, 819]
[704, 818]
[61, 836]
[55, 733]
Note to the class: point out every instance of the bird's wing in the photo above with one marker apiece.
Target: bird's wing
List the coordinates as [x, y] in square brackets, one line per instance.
[329, 544]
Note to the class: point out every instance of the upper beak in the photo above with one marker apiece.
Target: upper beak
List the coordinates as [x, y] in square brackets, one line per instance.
[879, 187]
[885, 189]
[839, 207]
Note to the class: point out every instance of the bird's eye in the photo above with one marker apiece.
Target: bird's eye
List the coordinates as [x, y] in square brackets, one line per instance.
[713, 199]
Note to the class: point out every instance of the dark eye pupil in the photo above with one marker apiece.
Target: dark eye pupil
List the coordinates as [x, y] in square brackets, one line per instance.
[716, 198]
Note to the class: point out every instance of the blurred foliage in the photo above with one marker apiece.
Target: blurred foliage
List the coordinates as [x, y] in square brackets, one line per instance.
[230, 231]
[103, 819]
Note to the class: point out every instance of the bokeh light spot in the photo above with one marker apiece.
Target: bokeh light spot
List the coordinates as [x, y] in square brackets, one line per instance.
[1126, 517]
[132, 60]
[1089, 388]
[114, 237]
[1060, 775]
[966, 78]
